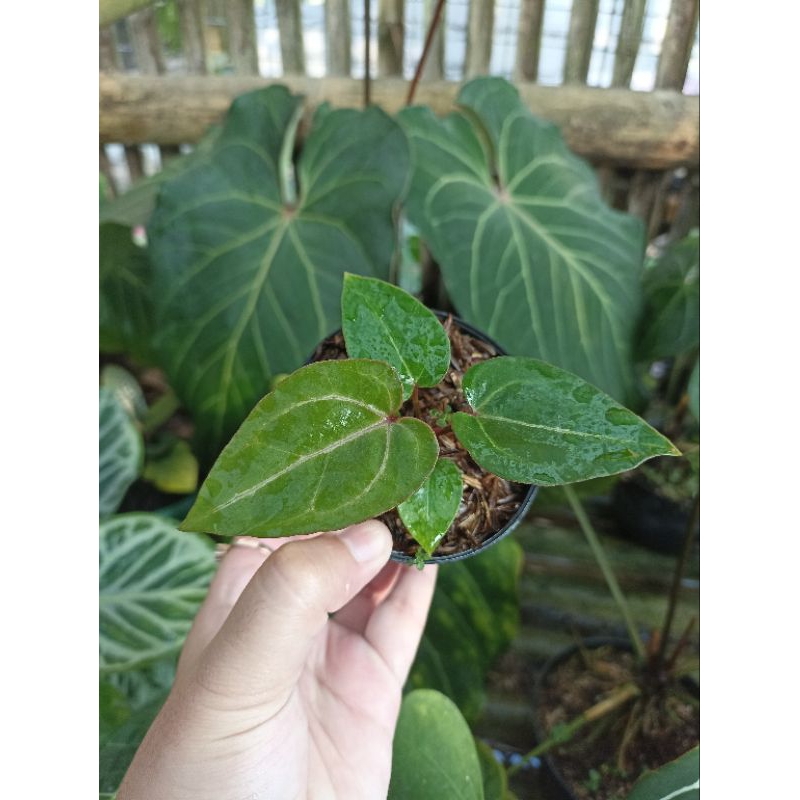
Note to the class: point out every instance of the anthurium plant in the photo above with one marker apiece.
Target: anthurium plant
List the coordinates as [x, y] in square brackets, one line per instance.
[337, 441]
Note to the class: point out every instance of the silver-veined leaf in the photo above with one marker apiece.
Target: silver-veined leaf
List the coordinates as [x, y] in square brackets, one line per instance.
[322, 451]
[152, 581]
[536, 423]
[121, 452]
[249, 257]
[678, 780]
[529, 251]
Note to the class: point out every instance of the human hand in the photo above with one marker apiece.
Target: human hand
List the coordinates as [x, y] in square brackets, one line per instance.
[273, 697]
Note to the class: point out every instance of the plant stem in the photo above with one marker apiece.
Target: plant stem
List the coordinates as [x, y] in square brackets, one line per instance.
[605, 567]
[161, 410]
[367, 87]
[688, 543]
[563, 733]
[437, 13]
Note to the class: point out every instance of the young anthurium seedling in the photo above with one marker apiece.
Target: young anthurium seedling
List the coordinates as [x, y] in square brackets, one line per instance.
[330, 445]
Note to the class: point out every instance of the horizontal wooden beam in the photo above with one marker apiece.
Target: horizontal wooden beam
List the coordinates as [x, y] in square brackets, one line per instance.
[648, 130]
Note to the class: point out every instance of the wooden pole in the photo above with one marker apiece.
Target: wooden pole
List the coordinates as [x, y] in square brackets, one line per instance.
[653, 130]
[337, 37]
[676, 49]
[630, 38]
[192, 24]
[367, 55]
[480, 27]
[433, 69]
[582, 23]
[433, 28]
[290, 29]
[391, 34]
[529, 37]
[242, 36]
[146, 42]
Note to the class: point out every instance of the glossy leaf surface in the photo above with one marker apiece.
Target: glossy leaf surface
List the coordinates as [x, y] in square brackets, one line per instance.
[126, 389]
[536, 423]
[152, 580]
[433, 754]
[430, 511]
[495, 781]
[678, 780]
[121, 452]
[473, 618]
[248, 276]
[321, 451]
[671, 317]
[384, 322]
[529, 251]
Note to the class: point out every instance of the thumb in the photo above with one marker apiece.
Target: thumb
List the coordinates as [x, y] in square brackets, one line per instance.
[257, 656]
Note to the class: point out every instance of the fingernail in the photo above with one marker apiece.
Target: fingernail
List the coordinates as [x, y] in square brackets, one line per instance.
[366, 541]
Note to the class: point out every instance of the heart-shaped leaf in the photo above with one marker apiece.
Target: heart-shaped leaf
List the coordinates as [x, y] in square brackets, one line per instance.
[430, 511]
[121, 452]
[322, 451]
[152, 580]
[473, 618]
[529, 251]
[433, 753]
[680, 779]
[671, 317]
[384, 322]
[536, 423]
[248, 262]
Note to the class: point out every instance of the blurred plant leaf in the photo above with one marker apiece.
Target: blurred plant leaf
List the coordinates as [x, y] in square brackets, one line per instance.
[473, 618]
[433, 754]
[529, 251]
[693, 389]
[536, 423]
[495, 782]
[126, 389]
[121, 452]
[320, 452]
[678, 779]
[152, 580]
[670, 322]
[247, 282]
[175, 472]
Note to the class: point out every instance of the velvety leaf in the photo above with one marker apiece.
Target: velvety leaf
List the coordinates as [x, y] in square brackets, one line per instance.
[529, 251]
[474, 616]
[115, 710]
[536, 423]
[142, 685]
[248, 281]
[495, 781]
[671, 317]
[121, 452]
[322, 451]
[126, 389]
[693, 390]
[175, 472]
[433, 753]
[430, 511]
[126, 315]
[384, 322]
[678, 780]
[152, 580]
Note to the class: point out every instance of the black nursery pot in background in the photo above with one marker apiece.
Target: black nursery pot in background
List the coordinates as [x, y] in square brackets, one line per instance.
[525, 501]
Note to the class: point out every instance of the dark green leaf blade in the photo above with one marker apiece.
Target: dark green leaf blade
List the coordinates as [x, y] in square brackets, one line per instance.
[152, 581]
[536, 423]
[678, 780]
[247, 281]
[384, 322]
[430, 511]
[121, 452]
[322, 451]
[529, 251]
[433, 754]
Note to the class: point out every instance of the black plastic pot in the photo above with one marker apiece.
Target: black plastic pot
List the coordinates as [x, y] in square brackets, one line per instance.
[520, 513]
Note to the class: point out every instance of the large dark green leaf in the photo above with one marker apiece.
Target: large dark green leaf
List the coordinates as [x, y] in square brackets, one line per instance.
[322, 451]
[536, 423]
[152, 580]
[678, 780]
[249, 262]
[121, 452]
[671, 318]
[433, 753]
[473, 618]
[529, 251]
[126, 313]
[385, 322]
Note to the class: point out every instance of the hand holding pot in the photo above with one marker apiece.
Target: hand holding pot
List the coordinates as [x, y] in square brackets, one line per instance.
[276, 698]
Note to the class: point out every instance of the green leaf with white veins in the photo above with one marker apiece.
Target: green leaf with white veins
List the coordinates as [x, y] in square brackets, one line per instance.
[121, 452]
[536, 423]
[384, 322]
[529, 251]
[322, 451]
[248, 262]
